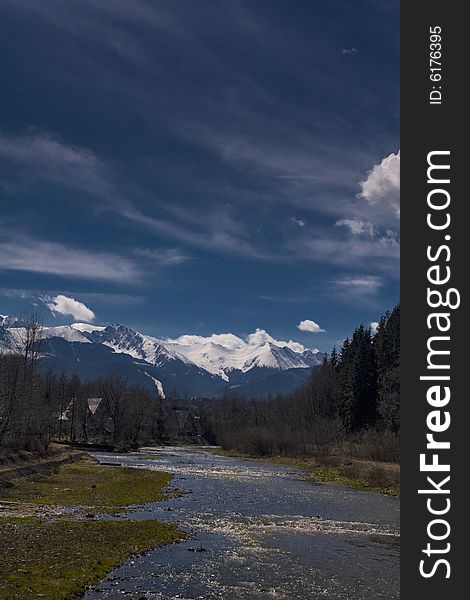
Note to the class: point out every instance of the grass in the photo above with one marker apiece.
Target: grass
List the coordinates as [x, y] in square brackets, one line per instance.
[86, 483]
[357, 474]
[334, 474]
[58, 561]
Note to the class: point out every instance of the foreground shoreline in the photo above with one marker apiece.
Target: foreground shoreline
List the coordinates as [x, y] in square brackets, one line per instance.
[66, 532]
[257, 531]
[63, 532]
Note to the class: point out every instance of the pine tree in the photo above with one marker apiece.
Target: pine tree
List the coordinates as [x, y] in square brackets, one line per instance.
[334, 358]
[358, 381]
[387, 352]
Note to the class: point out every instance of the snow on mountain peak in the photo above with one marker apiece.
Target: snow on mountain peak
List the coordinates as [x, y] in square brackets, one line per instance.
[18, 334]
[261, 336]
[65, 332]
[218, 354]
[221, 353]
[86, 327]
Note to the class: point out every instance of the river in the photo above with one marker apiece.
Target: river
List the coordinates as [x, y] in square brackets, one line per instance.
[259, 531]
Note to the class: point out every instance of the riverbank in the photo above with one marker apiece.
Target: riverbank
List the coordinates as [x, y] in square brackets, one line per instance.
[363, 475]
[258, 531]
[16, 465]
[60, 532]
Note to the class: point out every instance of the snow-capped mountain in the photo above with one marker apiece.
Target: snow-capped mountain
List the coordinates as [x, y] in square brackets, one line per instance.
[190, 365]
[222, 353]
[218, 354]
[126, 340]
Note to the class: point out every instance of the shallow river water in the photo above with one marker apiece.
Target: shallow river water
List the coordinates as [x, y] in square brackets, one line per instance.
[259, 531]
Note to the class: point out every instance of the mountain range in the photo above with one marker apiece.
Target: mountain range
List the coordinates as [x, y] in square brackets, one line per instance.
[188, 366]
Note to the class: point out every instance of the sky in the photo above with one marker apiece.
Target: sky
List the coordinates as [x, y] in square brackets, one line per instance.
[201, 166]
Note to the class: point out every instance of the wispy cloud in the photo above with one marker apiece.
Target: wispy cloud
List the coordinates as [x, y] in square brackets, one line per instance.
[292, 298]
[357, 226]
[298, 177]
[165, 257]
[390, 240]
[39, 156]
[297, 221]
[107, 299]
[103, 23]
[43, 157]
[363, 288]
[299, 156]
[24, 253]
[248, 151]
[15, 293]
[214, 230]
[351, 251]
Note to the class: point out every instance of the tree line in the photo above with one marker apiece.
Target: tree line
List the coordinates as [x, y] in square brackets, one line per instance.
[350, 404]
[37, 407]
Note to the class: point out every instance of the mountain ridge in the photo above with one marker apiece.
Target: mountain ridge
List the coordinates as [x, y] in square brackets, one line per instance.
[192, 365]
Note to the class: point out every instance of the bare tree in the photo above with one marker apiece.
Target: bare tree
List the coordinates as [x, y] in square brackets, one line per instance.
[113, 391]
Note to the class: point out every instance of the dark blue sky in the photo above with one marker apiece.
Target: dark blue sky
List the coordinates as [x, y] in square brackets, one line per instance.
[201, 166]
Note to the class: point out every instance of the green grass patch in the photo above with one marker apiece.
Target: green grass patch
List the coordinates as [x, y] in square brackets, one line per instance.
[86, 483]
[59, 560]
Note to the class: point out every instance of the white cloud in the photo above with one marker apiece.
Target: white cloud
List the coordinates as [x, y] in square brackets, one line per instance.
[357, 226]
[295, 346]
[261, 336]
[63, 305]
[310, 326]
[373, 327]
[382, 185]
[297, 221]
[349, 51]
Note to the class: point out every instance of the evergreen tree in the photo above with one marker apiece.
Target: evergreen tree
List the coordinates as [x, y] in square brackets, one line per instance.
[358, 381]
[387, 352]
[334, 358]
